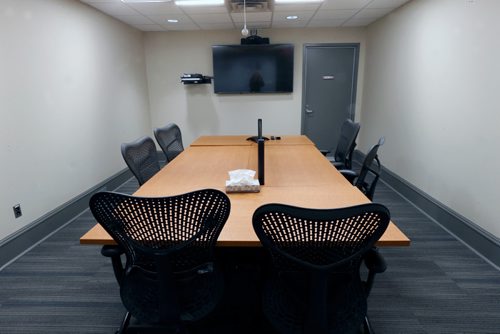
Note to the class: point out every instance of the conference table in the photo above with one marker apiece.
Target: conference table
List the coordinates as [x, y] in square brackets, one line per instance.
[296, 173]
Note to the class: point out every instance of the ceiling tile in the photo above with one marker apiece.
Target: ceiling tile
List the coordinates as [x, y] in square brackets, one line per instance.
[386, 3]
[149, 27]
[372, 13]
[359, 22]
[217, 26]
[118, 8]
[289, 24]
[177, 26]
[344, 4]
[329, 13]
[297, 7]
[211, 18]
[325, 23]
[155, 8]
[203, 9]
[134, 19]
[335, 14]
[254, 25]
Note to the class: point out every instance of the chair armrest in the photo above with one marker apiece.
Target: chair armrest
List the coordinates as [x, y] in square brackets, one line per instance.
[114, 252]
[374, 261]
[349, 174]
[111, 250]
[339, 165]
[376, 264]
[324, 152]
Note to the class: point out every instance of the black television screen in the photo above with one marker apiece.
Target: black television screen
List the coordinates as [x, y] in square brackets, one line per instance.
[265, 68]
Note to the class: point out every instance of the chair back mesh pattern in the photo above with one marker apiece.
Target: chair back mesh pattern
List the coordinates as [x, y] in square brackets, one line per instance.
[316, 287]
[370, 171]
[141, 158]
[347, 141]
[170, 140]
[169, 244]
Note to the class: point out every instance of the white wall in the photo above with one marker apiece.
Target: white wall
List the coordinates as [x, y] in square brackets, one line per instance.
[197, 110]
[431, 87]
[72, 88]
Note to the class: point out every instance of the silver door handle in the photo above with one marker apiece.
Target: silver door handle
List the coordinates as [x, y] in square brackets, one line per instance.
[309, 111]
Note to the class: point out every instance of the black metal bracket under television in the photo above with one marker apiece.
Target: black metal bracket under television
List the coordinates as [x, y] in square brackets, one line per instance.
[253, 69]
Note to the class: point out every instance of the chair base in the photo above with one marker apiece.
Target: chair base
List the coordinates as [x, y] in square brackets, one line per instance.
[131, 326]
[124, 325]
[367, 327]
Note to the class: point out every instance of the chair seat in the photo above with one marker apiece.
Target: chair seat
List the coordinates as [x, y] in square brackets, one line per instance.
[194, 303]
[286, 303]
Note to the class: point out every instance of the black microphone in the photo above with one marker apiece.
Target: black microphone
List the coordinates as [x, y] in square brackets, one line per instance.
[260, 163]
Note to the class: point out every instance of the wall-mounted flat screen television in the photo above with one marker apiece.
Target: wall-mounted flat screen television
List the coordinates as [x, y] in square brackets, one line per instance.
[263, 68]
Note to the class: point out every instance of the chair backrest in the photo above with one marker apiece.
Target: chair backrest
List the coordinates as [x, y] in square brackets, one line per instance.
[169, 138]
[141, 158]
[316, 255]
[169, 244]
[370, 171]
[347, 141]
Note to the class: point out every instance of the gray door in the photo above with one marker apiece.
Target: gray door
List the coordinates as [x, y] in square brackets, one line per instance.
[329, 91]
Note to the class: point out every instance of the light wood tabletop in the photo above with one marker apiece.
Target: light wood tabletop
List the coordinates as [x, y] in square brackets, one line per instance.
[295, 173]
[243, 141]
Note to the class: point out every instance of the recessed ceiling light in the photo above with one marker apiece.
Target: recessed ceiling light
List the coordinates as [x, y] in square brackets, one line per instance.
[172, 20]
[199, 2]
[292, 17]
[296, 1]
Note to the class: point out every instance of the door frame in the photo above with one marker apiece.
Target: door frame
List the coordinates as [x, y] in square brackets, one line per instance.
[352, 108]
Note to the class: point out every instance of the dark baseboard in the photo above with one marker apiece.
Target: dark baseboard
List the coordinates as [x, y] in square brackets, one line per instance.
[17, 243]
[480, 240]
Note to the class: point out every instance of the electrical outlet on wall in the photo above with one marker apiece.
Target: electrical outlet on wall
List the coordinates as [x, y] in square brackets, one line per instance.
[17, 210]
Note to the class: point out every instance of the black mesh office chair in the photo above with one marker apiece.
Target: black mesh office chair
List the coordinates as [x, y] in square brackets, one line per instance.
[141, 158]
[342, 157]
[169, 138]
[170, 278]
[316, 286]
[367, 178]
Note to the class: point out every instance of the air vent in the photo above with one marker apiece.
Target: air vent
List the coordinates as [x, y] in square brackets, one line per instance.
[253, 6]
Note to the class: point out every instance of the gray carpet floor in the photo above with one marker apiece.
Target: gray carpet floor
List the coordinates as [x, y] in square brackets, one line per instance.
[438, 285]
